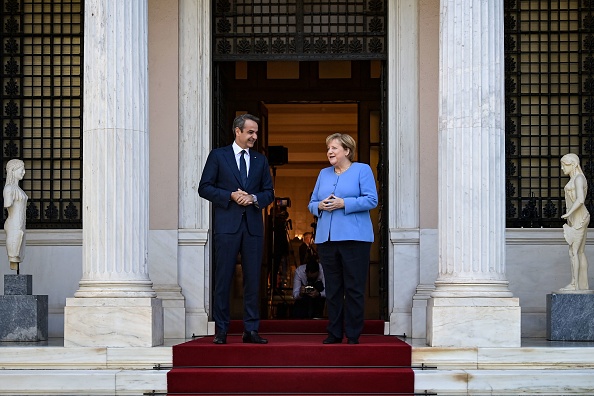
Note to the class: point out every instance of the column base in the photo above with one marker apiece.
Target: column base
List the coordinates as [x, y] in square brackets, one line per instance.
[113, 322]
[474, 322]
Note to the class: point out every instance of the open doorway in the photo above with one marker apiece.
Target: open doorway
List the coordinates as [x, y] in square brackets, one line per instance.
[302, 129]
[300, 104]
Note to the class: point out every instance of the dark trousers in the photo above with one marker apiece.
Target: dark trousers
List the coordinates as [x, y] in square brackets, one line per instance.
[346, 265]
[227, 247]
[308, 307]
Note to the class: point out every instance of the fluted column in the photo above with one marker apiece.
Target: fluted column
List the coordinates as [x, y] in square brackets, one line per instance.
[115, 281]
[115, 152]
[471, 149]
[472, 290]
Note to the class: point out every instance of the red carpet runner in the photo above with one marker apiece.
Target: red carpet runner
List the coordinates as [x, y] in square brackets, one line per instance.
[294, 362]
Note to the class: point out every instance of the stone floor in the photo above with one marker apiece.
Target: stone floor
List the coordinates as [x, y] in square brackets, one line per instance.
[538, 367]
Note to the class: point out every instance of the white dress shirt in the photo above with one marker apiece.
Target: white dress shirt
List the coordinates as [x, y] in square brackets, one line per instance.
[237, 151]
[300, 279]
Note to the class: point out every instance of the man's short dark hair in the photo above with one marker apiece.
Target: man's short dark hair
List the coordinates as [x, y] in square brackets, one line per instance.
[239, 121]
[312, 266]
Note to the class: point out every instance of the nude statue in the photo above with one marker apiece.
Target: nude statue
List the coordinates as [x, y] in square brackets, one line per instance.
[15, 200]
[576, 229]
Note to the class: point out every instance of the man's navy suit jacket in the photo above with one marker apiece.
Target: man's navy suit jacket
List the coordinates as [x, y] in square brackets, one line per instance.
[220, 178]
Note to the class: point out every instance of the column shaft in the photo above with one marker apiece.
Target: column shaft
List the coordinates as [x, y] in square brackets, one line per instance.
[472, 149]
[115, 167]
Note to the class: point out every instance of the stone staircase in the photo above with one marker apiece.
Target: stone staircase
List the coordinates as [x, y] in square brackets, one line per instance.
[537, 368]
[293, 363]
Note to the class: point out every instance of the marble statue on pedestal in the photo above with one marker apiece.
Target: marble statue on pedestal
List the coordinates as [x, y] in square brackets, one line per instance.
[576, 229]
[24, 315]
[15, 200]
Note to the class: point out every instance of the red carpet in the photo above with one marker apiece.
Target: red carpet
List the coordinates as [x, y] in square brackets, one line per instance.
[316, 326]
[294, 362]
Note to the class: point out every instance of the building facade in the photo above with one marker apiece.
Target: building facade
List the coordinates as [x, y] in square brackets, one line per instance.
[149, 109]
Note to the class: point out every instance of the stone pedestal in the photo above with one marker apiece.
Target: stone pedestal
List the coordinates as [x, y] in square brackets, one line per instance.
[477, 322]
[23, 317]
[114, 322]
[570, 317]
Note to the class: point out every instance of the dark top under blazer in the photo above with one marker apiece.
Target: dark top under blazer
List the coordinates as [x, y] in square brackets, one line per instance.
[221, 177]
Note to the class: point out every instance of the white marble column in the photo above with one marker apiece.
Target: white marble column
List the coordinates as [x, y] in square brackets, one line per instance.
[115, 304]
[472, 304]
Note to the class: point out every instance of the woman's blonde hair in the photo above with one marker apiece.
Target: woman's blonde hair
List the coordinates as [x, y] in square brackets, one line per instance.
[346, 141]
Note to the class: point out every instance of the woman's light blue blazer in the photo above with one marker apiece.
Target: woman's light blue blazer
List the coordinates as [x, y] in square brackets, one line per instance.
[356, 186]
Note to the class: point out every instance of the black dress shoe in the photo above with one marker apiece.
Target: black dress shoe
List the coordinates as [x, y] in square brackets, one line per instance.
[332, 340]
[220, 338]
[353, 341]
[252, 337]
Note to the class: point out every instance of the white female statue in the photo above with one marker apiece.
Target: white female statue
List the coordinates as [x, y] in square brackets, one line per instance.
[576, 229]
[15, 200]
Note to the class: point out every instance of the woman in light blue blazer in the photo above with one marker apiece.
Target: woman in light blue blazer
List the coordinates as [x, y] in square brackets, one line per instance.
[344, 194]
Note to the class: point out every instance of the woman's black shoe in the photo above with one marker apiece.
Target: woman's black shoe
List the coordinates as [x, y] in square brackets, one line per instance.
[252, 337]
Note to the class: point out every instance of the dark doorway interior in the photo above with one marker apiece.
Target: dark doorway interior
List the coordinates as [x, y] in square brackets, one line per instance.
[300, 103]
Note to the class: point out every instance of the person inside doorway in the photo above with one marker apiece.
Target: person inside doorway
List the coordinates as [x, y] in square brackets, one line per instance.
[308, 291]
[307, 249]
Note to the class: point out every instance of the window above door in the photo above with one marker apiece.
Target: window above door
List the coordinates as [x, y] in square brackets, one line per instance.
[299, 30]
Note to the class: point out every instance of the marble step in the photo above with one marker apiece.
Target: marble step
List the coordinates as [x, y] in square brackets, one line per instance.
[505, 382]
[440, 382]
[524, 358]
[88, 358]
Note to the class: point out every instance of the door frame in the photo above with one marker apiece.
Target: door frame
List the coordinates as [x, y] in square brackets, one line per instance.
[255, 105]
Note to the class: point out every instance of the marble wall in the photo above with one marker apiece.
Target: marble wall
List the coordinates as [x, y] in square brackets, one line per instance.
[179, 254]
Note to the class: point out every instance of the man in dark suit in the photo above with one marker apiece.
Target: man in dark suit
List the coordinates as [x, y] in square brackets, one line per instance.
[238, 183]
[306, 249]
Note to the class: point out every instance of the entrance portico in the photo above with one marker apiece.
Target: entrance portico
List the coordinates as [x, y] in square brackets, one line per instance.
[413, 250]
[195, 109]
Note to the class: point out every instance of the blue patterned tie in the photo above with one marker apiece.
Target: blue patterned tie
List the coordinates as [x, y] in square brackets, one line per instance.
[243, 169]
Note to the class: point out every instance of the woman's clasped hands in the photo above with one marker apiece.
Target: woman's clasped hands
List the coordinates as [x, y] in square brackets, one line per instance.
[331, 203]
